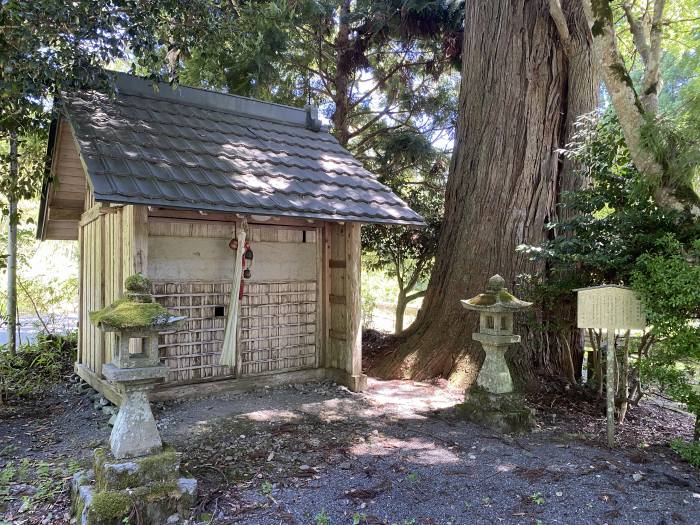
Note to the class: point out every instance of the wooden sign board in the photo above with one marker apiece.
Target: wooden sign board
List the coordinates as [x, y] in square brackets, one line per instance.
[609, 306]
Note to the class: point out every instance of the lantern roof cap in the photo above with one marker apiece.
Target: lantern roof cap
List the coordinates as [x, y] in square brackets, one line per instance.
[496, 299]
[136, 310]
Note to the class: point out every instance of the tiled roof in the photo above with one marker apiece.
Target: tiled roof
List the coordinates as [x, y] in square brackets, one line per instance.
[196, 149]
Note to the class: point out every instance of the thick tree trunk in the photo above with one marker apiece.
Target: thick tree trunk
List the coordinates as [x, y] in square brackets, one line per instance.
[517, 102]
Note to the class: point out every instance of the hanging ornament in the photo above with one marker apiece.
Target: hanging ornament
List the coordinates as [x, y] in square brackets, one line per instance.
[247, 261]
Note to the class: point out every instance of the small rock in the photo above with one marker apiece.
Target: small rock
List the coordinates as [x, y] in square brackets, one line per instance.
[305, 467]
[112, 420]
[345, 465]
[472, 456]
[560, 494]
[637, 477]
[175, 518]
[22, 489]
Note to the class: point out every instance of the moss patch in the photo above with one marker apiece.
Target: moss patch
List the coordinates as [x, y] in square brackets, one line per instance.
[118, 475]
[502, 412]
[130, 314]
[110, 505]
[138, 283]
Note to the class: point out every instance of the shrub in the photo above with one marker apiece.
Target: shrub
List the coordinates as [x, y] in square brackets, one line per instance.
[689, 451]
[667, 283]
[37, 366]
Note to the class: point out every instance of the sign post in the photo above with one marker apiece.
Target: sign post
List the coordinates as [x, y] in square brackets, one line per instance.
[610, 307]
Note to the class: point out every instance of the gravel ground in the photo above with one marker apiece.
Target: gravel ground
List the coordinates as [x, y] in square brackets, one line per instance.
[396, 454]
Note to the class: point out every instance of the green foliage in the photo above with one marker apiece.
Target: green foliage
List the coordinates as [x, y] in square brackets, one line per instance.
[672, 138]
[48, 478]
[537, 498]
[689, 451]
[322, 518]
[359, 518]
[612, 222]
[617, 234]
[667, 283]
[37, 366]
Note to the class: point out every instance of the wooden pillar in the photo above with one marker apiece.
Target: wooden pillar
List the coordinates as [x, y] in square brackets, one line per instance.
[344, 348]
[135, 238]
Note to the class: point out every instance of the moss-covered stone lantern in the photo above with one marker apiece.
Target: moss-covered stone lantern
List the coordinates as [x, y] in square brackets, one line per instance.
[492, 401]
[496, 307]
[139, 477]
[136, 319]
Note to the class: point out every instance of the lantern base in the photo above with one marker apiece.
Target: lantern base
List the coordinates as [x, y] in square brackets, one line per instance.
[505, 413]
[494, 376]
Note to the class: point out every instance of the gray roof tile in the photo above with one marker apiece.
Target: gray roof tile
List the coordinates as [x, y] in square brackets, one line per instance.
[190, 148]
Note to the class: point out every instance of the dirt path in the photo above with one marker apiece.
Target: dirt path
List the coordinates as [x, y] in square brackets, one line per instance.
[317, 454]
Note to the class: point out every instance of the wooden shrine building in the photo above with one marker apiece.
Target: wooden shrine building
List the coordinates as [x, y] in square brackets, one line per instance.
[159, 182]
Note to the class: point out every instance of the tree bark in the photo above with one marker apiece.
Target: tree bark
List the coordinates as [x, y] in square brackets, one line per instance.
[522, 88]
[341, 97]
[400, 311]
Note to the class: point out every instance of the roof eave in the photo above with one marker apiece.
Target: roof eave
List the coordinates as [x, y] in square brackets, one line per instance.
[262, 211]
[44, 202]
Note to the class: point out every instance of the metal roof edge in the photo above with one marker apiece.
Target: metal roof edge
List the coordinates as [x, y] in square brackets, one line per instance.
[215, 100]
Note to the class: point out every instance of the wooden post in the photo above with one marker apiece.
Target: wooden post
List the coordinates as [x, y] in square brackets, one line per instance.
[610, 386]
[344, 351]
[353, 307]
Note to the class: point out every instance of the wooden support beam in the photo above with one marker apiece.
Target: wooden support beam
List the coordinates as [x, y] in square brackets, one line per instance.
[64, 214]
[101, 208]
[101, 385]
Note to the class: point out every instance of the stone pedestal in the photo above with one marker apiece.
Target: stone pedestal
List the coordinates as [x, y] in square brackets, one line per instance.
[500, 412]
[149, 487]
[494, 375]
[135, 432]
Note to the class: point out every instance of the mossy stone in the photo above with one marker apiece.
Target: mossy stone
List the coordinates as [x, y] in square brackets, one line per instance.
[125, 313]
[109, 506]
[501, 412]
[111, 474]
[138, 283]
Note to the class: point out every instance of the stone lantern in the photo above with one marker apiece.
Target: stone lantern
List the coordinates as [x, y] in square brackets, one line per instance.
[135, 368]
[496, 307]
[493, 402]
[140, 477]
